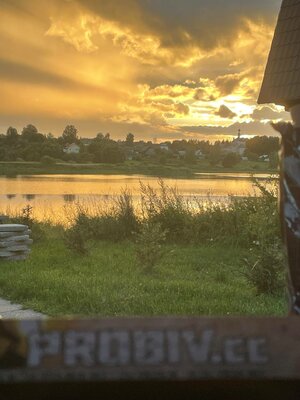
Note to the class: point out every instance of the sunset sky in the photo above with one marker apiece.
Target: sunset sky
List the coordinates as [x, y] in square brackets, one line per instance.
[161, 69]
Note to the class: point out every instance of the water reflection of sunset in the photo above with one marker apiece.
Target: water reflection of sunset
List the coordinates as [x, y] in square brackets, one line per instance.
[49, 195]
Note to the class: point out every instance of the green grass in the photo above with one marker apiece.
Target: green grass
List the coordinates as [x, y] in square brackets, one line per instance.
[171, 169]
[190, 280]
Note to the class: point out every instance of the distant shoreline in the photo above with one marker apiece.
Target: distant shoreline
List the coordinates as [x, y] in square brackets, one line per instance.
[168, 170]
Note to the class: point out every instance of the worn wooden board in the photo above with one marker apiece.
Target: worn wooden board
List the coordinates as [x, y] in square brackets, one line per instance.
[158, 349]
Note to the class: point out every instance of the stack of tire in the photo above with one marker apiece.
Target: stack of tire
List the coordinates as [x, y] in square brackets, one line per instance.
[14, 242]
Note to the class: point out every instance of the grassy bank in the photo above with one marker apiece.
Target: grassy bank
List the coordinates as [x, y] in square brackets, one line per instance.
[173, 169]
[189, 280]
[171, 258]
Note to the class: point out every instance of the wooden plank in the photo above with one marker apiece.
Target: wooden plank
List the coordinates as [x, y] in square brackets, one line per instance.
[156, 349]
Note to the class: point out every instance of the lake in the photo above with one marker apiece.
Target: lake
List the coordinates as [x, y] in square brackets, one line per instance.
[49, 195]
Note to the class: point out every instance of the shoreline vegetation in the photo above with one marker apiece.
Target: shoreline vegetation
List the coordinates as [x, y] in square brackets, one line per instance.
[147, 168]
[170, 259]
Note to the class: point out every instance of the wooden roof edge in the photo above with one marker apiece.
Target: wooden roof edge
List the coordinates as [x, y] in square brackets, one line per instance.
[261, 95]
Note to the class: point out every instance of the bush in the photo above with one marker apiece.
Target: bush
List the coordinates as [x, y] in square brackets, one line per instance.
[214, 157]
[116, 223]
[251, 156]
[74, 240]
[168, 209]
[190, 157]
[255, 166]
[264, 222]
[148, 248]
[274, 160]
[47, 160]
[124, 213]
[266, 273]
[230, 160]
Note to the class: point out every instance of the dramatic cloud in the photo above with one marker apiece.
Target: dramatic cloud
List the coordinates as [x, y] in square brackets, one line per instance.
[227, 84]
[192, 23]
[247, 129]
[269, 113]
[153, 67]
[225, 112]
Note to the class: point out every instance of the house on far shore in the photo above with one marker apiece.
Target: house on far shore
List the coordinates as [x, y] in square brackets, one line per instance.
[72, 148]
[164, 146]
[129, 153]
[199, 155]
[264, 158]
[181, 153]
[86, 141]
[149, 151]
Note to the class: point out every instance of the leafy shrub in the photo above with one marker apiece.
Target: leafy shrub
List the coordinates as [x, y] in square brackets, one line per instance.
[263, 221]
[47, 160]
[74, 240]
[214, 157]
[105, 227]
[116, 223]
[148, 248]
[230, 160]
[266, 273]
[251, 156]
[125, 215]
[168, 209]
[274, 160]
[241, 221]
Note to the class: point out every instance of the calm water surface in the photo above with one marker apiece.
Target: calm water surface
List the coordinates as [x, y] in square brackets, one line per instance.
[49, 195]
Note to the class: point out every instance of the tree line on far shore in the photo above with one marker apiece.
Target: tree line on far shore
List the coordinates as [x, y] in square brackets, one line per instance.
[31, 145]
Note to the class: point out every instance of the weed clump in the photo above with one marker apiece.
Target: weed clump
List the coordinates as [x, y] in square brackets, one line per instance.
[148, 248]
[265, 270]
[74, 240]
[26, 217]
[114, 224]
[167, 208]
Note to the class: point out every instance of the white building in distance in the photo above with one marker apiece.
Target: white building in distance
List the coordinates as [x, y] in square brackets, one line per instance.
[237, 146]
[72, 148]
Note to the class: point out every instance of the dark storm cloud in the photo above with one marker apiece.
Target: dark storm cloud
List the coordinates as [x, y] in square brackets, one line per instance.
[225, 112]
[178, 23]
[227, 84]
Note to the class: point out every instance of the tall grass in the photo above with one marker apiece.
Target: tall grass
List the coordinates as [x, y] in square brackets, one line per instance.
[246, 221]
[249, 222]
[242, 221]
